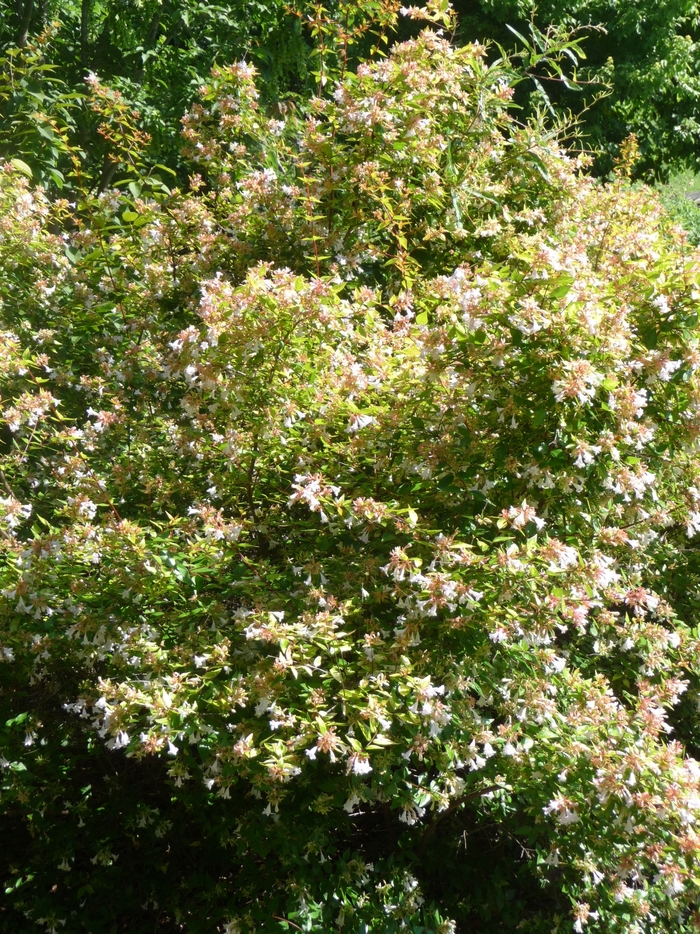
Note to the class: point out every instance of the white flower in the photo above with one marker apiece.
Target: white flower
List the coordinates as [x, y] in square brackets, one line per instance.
[674, 886]
[498, 635]
[84, 506]
[12, 512]
[359, 764]
[669, 368]
[586, 454]
[564, 809]
[661, 302]
[568, 817]
[357, 422]
[411, 813]
[475, 761]
[119, 741]
[579, 382]
[603, 574]
[519, 516]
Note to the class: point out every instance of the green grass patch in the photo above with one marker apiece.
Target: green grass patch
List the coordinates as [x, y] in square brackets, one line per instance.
[674, 196]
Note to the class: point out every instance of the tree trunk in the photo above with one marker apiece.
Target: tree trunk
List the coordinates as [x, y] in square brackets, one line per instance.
[109, 170]
[84, 33]
[25, 13]
[151, 37]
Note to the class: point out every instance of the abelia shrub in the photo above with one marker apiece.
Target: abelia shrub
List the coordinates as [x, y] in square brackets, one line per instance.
[348, 518]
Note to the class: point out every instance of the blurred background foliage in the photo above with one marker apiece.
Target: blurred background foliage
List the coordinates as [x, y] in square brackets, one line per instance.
[644, 57]
[647, 52]
[156, 53]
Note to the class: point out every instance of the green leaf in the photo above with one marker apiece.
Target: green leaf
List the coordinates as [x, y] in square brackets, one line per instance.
[22, 167]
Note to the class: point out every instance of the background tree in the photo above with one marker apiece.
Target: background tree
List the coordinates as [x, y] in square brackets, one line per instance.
[157, 54]
[647, 53]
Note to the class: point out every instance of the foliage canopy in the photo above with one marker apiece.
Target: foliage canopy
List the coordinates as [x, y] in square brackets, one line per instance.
[646, 52]
[157, 53]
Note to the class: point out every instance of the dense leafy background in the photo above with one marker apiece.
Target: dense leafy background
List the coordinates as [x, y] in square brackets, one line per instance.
[155, 53]
[158, 52]
[648, 53]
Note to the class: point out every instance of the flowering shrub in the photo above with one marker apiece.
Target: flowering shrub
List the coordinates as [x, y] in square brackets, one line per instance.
[348, 518]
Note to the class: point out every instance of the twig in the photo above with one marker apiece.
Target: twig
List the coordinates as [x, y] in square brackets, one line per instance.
[287, 921]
